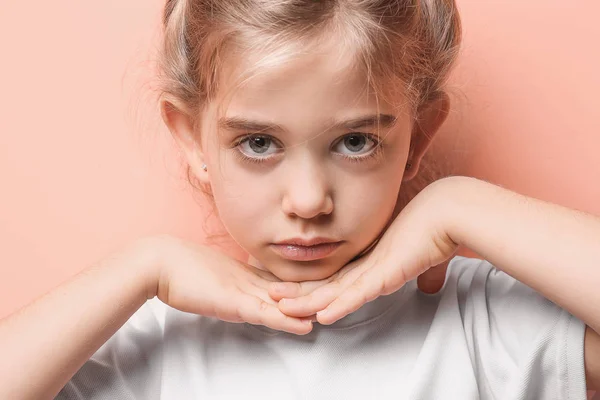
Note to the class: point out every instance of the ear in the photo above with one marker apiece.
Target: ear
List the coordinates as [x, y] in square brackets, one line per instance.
[177, 119]
[429, 119]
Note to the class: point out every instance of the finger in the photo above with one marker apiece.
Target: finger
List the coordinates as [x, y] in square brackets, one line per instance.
[366, 288]
[256, 289]
[313, 302]
[290, 290]
[312, 318]
[262, 294]
[432, 280]
[322, 296]
[228, 311]
[258, 312]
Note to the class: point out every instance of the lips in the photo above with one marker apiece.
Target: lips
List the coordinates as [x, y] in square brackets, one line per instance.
[305, 249]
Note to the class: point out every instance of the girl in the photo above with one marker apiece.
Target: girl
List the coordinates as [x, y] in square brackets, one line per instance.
[302, 118]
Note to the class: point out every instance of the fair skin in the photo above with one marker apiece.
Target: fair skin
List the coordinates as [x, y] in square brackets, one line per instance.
[304, 199]
[302, 185]
[460, 211]
[307, 188]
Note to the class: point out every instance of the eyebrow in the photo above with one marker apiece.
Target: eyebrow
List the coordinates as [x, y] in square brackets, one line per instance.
[380, 120]
[244, 124]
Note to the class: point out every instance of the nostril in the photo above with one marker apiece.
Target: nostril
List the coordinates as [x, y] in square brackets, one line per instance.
[307, 205]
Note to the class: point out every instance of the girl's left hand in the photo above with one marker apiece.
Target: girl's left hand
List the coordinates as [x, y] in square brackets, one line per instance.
[415, 242]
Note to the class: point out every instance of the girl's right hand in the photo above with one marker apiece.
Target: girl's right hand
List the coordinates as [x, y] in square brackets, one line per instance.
[197, 279]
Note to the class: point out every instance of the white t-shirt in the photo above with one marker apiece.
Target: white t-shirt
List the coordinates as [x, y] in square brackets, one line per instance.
[483, 336]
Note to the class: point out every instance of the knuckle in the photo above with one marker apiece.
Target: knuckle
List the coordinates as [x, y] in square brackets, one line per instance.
[238, 313]
[357, 285]
[367, 297]
[362, 297]
[263, 306]
[385, 287]
[402, 275]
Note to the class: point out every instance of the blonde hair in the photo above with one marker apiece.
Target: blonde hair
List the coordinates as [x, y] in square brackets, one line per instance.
[408, 45]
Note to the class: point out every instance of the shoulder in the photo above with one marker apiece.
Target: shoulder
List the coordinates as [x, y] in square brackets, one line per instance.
[473, 278]
[485, 294]
[507, 323]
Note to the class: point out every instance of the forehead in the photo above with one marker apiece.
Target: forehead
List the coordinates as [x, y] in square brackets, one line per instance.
[303, 91]
[303, 82]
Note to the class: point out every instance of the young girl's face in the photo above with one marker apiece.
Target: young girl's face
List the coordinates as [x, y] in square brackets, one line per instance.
[297, 159]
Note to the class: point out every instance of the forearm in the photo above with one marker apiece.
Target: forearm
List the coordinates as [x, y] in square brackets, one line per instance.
[552, 249]
[44, 344]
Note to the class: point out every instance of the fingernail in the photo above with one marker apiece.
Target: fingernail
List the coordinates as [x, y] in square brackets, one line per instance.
[307, 321]
[322, 312]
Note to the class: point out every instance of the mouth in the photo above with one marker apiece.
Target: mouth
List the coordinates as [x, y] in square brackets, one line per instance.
[305, 250]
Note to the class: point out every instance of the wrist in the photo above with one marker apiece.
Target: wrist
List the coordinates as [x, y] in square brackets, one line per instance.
[147, 255]
[454, 196]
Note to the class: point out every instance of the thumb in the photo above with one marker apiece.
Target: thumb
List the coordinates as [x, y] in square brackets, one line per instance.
[432, 280]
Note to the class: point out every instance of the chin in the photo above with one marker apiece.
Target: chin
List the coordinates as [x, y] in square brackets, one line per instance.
[290, 271]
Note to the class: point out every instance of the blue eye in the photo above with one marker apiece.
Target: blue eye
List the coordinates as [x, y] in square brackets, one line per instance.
[258, 146]
[355, 144]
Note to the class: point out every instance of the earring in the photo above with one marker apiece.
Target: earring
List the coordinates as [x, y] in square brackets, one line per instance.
[204, 167]
[408, 166]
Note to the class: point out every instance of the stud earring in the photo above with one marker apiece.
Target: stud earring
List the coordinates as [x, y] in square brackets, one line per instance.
[204, 167]
[408, 166]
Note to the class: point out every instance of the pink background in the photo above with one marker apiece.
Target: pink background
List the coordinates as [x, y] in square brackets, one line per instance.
[86, 164]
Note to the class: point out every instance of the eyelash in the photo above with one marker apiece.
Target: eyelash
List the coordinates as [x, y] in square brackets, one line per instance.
[251, 160]
[373, 154]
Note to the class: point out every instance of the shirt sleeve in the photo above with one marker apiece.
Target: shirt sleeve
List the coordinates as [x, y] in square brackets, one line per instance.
[129, 365]
[523, 345]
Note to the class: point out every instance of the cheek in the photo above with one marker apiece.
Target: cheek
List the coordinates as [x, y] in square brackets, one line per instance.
[366, 205]
[242, 205]
[371, 202]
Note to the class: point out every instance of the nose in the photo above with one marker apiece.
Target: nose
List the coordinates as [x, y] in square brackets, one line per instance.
[307, 194]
